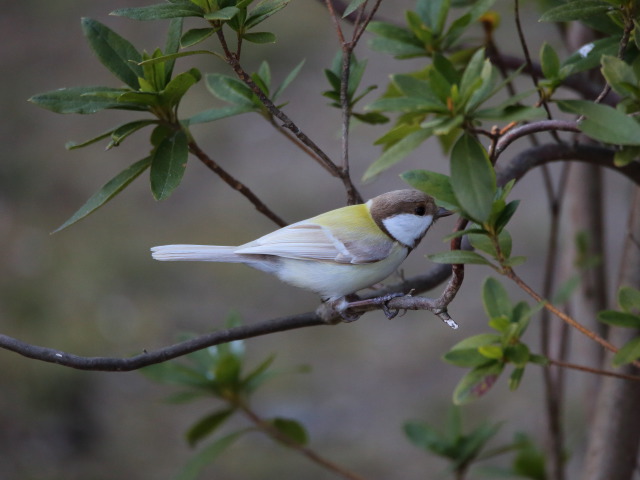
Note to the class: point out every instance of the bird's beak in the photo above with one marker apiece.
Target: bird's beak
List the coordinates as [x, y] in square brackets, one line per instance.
[443, 212]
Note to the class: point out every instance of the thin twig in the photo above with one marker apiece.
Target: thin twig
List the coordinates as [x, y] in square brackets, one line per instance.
[235, 184]
[281, 437]
[596, 371]
[529, 128]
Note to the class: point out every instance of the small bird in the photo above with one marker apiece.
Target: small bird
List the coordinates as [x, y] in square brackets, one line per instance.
[334, 254]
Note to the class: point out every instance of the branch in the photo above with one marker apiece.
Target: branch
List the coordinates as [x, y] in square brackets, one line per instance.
[110, 364]
[537, 156]
[527, 129]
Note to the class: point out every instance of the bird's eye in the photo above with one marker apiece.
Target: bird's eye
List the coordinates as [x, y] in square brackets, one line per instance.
[420, 210]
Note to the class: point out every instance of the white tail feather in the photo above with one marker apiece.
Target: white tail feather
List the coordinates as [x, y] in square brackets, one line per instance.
[202, 253]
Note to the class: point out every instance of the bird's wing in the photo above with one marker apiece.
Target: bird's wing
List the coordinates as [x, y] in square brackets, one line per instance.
[308, 240]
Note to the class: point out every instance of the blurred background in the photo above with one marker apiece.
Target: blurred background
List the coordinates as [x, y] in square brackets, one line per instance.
[94, 290]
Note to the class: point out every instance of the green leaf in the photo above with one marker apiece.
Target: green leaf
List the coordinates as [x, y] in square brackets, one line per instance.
[495, 299]
[71, 145]
[435, 184]
[477, 382]
[589, 55]
[207, 455]
[494, 352]
[83, 100]
[214, 114]
[287, 81]
[264, 10]
[160, 11]
[619, 319]
[629, 352]
[396, 153]
[426, 437]
[172, 56]
[108, 191]
[473, 178]
[515, 378]
[575, 10]
[620, 76]
[172, 45]
[483, 243]
[455, 257]
[604, 123]
[195, 36]
[229, 89]
[259, 37]
[123, 131]
[549, 61]
[629, 299]
[518, 354]
[207, 425]
[352, 7]
[178, 86]
[113, 51]
[466, 352]
[395, 40]
[224, 14]
[292, 429]
[169, 161]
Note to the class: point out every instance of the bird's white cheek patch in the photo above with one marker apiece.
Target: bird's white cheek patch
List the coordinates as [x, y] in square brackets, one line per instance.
[407, 228]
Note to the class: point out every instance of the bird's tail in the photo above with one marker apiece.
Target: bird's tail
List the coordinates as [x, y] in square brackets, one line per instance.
[202, 253]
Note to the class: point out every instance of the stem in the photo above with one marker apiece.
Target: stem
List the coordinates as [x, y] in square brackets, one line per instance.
[235, 184]
[596, 371]
[284, 439]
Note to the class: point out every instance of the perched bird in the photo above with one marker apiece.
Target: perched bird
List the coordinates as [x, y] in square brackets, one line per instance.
[334, 254]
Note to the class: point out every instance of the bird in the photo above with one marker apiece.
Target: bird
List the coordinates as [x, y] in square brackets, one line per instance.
[334, 254]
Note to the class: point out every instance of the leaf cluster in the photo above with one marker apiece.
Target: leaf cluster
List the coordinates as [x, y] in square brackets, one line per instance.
[627, 317]
[463, 450]
[488, 354]
[220, 373]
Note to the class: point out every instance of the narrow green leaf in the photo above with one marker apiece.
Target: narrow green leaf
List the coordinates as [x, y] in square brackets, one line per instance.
[477, 382]
[173, 56]
[123, 131]
[435, 184]
[518, 354]
[178, 86]
[160, 11]
[603, 122]
[396, 153]
[172, 45]
[287, 81]
[83, 100]
[371, 118]
[589, 55]
[292, 429]
[515, 378]
[113, 51]
[483, 243]
[224, 14]
[195, 36]
[426, 437]
[495, 299]
[466, 354]
[207, 425]
[168, 165]
[619, 75]
[214, 114]
[471, 78]
[549, 61]
[73, 145]
[259, 37]
[229, 89]
[352, 7]
[575, 10]
[619, 319]
[108, 191]
[494, 352]
[629, 299]
[455, 257]
[473, 178]
[629, 352]
[207, 455]
[264, 10]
